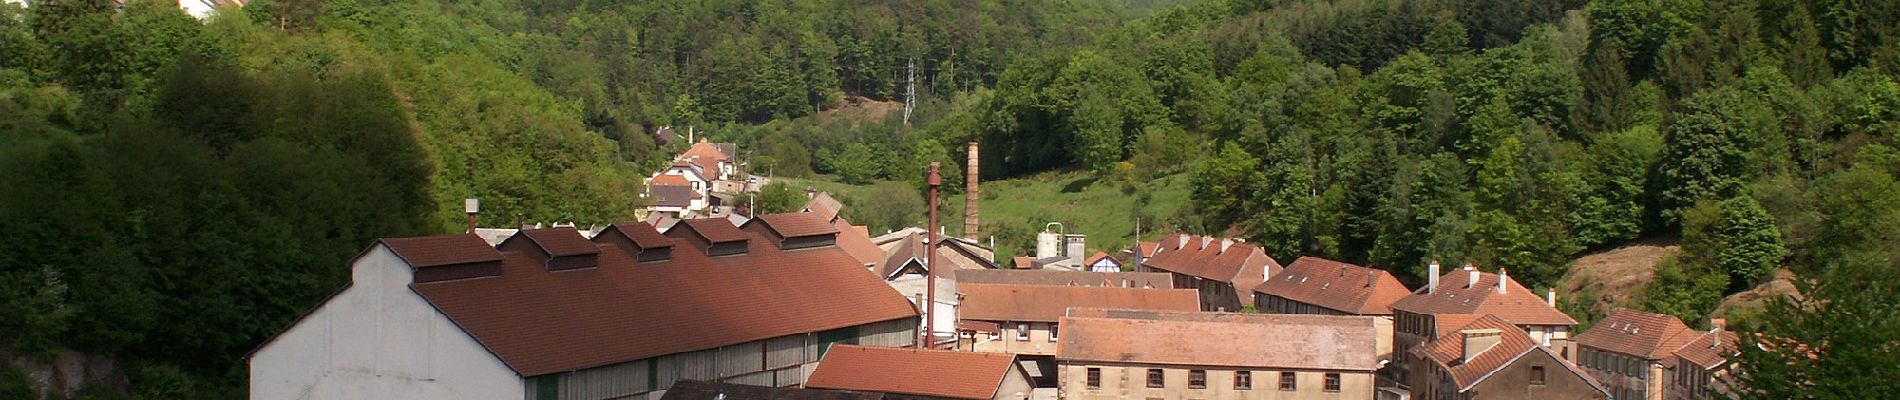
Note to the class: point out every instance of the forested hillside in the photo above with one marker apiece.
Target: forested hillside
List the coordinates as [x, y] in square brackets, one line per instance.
[172, 191]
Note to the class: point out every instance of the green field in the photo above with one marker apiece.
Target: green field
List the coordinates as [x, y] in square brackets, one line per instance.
[1013, 210]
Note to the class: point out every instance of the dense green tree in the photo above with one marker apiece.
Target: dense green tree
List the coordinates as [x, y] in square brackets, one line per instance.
[1830, 342]
[778, 197]
[1708, 145]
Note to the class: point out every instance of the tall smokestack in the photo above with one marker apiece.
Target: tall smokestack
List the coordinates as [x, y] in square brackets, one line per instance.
[930, 263]
[970, 196]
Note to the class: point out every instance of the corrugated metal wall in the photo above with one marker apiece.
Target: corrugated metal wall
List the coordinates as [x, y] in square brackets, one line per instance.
[741, 359]
[893, 333]
[787, 351]
[605, 382]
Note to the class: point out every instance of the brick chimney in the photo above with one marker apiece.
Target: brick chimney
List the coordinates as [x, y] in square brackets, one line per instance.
[970, 196]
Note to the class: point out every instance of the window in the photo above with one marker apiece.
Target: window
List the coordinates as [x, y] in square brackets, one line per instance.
[1095, 378]
[1332, 381]
[1287, 382]
[1537, 375]
[1197, 379]
[1243, 380]
[1022, 331]
[1154, 378]
[1052, 332]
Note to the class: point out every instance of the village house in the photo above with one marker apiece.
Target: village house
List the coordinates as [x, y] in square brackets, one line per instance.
[1225, 271]
[1149, 280]
[1639, 355]
[1487, 357]
[906, 252]
[1130, 354]
[1705, 367]
[1313, 285]
[1466, 294]
[1017, 318]
[1101, 262]
[919, 372]
[550, 314]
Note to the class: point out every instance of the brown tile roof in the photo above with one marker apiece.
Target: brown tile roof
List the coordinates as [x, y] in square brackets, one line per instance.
[1448, 351]
[1046, 303]
[1290, 341]
[1067, 278]
[559, 241]
[540, 322]
[1024, 262]
[643, 235]
[1097, 257]
[670, 180]
[1241, 264]
[716, 230]
[823, 204]
[797, 224]
[855, 242]
[706, 155]
[672, 196]
[1648, 335]
[436, 251]
[1705, 351]
[953, 374]
[1517, 304]
[1336, 285]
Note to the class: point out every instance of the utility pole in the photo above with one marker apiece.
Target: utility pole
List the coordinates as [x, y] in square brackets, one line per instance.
[910, 88]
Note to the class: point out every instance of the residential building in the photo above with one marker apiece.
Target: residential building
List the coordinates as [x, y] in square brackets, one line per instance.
[1127, 354]
[919, 372]
[716, 159]
[1635, 355]
[1464, 295]
[1705, 367]
[1313, 285]
[1022, 318]
[1101, 262]
[1491, 358]
[1148, 280]
[965, 253]
[909, 256]
[548, 314]
[1225, 271]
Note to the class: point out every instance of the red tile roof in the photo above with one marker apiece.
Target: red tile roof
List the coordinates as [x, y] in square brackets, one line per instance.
[1711, 349]
[1024, 262]
[1448, 351]
[706, 155]
[952, 374]
[558, 242]
[798, 224]
[1648, 335]
[1517, 304]
[1066, 278]
[823, 204]
[855, 242]
[670, 180]
[1289, 341]
[716, 230]
[1098, 257]
[436, 251]
[540, 322]
[1241, 264]
[1047, 303]
[1336, 285]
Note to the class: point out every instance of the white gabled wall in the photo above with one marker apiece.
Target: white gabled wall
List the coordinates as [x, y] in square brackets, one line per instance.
[378, 340]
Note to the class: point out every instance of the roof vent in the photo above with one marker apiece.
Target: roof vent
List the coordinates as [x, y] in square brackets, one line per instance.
[1225, 243]
[1183, 242]
[1204, 241]
[446, 257]
[1479, 340]
[642, 241]
[560, 248]
[713, 236]
[794, 230]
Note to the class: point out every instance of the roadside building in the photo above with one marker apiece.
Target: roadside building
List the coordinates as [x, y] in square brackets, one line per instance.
[1225, 271]
[1490, 358]
[1639, 355]
[1313, 285]
[1128, 354]
[549, 314]
[919, 372]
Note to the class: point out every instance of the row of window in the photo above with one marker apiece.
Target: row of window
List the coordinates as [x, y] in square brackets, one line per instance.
[1197, 379]
[1616, 363]
[1022, 332]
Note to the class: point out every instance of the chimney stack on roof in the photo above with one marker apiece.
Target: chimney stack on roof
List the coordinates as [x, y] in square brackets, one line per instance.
[1479, 340]
[1550, 297]
[1431, 278]
[472, 206]
[1716, 325]
[1473, 273]
[1501, 279]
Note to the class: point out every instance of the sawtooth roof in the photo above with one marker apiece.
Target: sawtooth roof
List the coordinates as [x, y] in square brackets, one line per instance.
[1336, 285]
[952, 374]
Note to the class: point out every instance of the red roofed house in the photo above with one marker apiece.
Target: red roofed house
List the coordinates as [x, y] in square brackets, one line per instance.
[1313, 285]
[1638, 355]
[1131, 354]
[1224, 270]
[1490, 358]
[1101, 262]
[1024, 316]
[1465, 293]
[919, 372]
[549, 314]
[680, 189]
